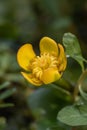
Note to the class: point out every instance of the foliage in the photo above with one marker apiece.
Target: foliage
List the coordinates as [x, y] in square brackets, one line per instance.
[43, 101]
[22, 105]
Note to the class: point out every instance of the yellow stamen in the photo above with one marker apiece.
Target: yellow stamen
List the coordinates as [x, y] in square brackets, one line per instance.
[40, 63]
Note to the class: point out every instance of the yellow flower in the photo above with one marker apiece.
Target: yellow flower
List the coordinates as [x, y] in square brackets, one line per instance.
[43, 69]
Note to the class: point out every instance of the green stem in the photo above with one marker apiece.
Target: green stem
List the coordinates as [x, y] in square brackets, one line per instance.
[82, 77]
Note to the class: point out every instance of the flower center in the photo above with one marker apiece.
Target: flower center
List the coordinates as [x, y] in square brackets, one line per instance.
[41, 63]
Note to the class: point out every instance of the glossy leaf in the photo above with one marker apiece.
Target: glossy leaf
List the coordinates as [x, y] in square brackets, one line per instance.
[73, 115]
[73, 49]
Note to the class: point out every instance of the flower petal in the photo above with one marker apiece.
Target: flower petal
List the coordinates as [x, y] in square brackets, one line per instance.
[48, 45]
[50, 75]
[25, 55]
[31, 79]
[62, 60]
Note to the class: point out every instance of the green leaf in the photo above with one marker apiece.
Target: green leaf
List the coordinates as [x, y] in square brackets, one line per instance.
[6, 105]
[73, 49]
[7, 93]
[73, 115]
[4, 85]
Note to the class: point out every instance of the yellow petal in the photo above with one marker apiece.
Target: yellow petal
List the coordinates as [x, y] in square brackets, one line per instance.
[25, 55]
[50, 75]
[48, 45]
[62, 60]
[31, 79]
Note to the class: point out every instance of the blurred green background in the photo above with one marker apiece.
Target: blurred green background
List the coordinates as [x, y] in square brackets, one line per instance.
[23, 21]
